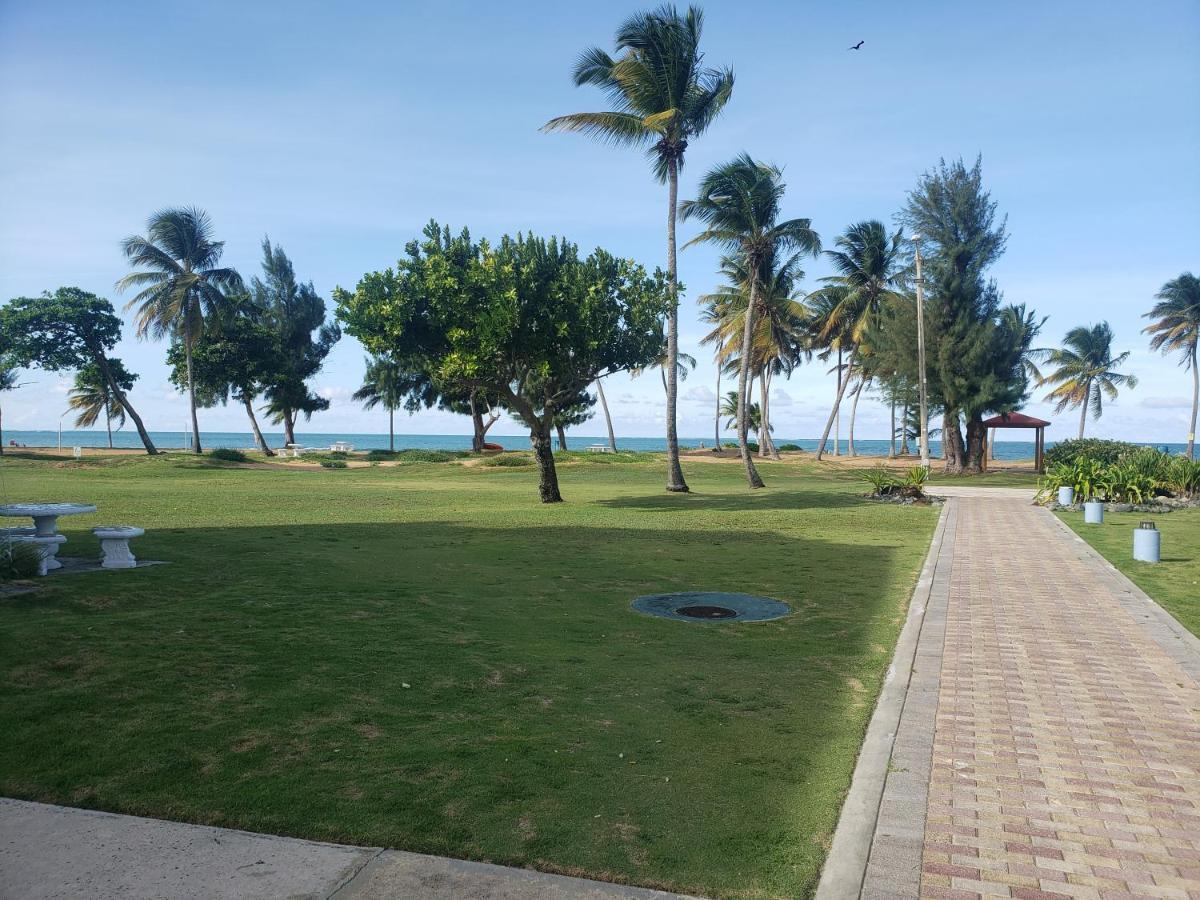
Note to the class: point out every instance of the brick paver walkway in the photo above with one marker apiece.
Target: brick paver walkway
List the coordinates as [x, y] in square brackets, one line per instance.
[1066, 751]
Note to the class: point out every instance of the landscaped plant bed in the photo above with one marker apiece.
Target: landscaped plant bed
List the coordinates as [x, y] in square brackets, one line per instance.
[902, 500]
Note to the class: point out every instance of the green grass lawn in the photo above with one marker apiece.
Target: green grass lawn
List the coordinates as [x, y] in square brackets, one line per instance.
[1175, 581]
[425, 657]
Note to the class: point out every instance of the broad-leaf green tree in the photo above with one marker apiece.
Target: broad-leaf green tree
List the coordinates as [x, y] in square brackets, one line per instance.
[1085, 371]
[69, 329]
[179, 282]
[527, 320]
[663, 97]
[91, 397]
[1176, 329]
[739, 204]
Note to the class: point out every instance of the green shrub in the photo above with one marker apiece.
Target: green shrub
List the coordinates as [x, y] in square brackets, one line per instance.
[752, 445]
[886, 483]
[507, 461]
[785, 448]
[18, 559]
[228, 454]
[333, 464]
[1183, 476]
[1103, 451]
[412, 456]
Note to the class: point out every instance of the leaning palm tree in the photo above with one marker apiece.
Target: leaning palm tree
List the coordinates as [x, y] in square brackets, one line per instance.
[383, 385]
[867, 262]
[778, 345]
[663, 97]
[1084, 371]
[180, 282]
[1176, 327]
[92, 396]
[739, 205]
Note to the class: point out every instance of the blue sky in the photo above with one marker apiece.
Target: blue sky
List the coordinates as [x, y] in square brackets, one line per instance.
[340, 129]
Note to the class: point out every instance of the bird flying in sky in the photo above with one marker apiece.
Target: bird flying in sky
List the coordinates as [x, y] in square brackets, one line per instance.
[857, 46]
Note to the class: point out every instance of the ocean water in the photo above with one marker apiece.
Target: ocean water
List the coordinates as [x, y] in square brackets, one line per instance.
[168, 440]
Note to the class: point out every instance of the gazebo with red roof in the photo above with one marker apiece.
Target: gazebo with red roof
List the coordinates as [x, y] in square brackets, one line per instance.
[1018, 420]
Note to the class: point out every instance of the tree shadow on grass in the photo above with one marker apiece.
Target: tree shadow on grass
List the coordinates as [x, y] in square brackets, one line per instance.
[480, 692]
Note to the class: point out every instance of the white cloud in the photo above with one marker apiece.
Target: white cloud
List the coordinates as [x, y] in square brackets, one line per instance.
[700, 394]
[780, 397]
[1166, 403]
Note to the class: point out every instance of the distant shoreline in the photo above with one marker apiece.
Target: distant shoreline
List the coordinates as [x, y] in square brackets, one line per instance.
[175, 440]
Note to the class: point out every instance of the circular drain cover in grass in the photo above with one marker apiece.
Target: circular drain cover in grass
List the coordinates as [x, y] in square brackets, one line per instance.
[711, 606]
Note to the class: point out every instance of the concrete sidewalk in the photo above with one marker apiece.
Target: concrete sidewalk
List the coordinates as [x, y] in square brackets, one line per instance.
[58, 852]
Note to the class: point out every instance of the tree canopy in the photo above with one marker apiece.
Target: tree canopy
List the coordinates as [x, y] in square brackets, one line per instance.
[527, 320]
[68, 329]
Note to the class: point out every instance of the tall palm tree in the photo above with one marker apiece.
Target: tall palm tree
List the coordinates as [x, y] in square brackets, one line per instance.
[383, 385]
[1177, 328]
[867, 263]
[91, 396]
[180, 282]
[1084, 371]
[779, 329]
[663, 96]
[729, 410]
[739, 204]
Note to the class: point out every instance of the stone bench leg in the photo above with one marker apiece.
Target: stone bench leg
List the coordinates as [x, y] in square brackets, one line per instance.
[115, 554]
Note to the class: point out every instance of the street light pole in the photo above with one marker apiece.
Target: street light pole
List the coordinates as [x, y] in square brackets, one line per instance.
[916, 239]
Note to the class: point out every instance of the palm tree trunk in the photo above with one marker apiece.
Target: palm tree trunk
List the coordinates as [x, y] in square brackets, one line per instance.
[717, 419]
[767, 428]
[187, 349]
[1191, 442]
[905, 450]
[108, 422]
[612, 438]
[838, 401]
[675, 480]
[762, 415]
[102, 361]
[837, 409]
[1087, 395]
[743, 401]
[853, 412]
[892, 450]
[258, 435]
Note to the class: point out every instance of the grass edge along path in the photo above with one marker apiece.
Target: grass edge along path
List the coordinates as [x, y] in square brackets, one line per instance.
[1173, 583]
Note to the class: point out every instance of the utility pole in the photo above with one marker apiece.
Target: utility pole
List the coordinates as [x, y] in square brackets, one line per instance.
[916, 239]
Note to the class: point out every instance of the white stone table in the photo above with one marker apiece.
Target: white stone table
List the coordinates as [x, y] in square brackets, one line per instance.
[45, 515]
[45, 523]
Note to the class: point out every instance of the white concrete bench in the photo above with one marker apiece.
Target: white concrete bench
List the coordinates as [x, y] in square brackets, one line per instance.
[47, 546]
[114, 545]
